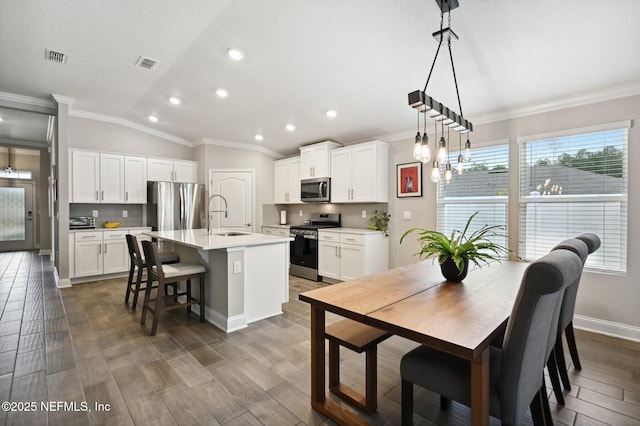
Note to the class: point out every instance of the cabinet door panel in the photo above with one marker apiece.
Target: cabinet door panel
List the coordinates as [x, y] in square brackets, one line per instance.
[88, 258]
[341, 176]
[184, 171]
[351, 262]
[328, 260]
[280, 182]
[135, 180]
[364, 174]
[111, 178]
[85, 177]
[294, 181]
[158, 169]
[115, 256]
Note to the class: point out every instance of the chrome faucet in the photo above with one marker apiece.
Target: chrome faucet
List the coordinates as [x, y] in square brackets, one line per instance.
[226, 211]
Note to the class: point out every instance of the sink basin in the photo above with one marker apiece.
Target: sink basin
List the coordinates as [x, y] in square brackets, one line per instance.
[231, 234]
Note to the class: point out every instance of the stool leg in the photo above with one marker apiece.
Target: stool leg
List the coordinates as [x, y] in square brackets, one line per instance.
[201, 302]
[158, 308]
[137, 289]
[129, 283]
[407, 403]
[334, 365]
[188, 295]
[147, 297]
[371, 379]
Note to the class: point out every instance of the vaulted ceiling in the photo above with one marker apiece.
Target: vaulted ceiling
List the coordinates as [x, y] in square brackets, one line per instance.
[304, 57]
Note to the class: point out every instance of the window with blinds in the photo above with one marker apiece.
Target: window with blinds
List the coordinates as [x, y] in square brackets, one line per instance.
[575, 183]
[483, 187]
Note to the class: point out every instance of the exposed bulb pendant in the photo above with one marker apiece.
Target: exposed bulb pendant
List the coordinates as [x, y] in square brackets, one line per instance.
[460, 166]
[448, 174]
[435, 172]
[417, 147]
[425, 154]
[467, 151]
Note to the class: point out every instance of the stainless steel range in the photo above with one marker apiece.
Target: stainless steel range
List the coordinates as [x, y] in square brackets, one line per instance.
[304, 247]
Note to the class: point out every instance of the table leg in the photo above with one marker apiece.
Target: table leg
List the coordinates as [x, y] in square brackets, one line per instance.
[480, 389]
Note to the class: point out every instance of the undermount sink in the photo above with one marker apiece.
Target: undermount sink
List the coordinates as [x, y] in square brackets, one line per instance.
[231, 234]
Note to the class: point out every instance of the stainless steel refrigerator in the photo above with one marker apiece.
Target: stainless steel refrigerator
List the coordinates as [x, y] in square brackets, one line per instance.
[173, 206]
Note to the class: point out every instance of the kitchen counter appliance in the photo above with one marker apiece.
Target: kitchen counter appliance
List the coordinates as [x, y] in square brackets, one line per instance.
[82, 222]
[304, 247]
[317, 190]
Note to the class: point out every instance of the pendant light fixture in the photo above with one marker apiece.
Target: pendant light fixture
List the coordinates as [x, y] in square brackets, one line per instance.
[9, 168]
[436, 110]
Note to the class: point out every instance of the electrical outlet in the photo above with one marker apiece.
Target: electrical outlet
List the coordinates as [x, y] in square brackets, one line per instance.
[364, 214]
[237, 266]
[125, 213]
[95, 213]
[406, 215]
[300, 213]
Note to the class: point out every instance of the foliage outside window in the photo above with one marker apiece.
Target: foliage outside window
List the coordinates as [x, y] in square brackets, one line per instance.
[572, 183]
[483, 187]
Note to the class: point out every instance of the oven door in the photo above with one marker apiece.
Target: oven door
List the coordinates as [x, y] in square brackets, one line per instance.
[304, 251]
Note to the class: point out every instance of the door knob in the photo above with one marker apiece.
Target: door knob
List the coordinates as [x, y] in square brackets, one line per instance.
[247, 225]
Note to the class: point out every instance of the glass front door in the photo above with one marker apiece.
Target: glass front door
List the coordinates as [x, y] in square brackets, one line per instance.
[16, 215]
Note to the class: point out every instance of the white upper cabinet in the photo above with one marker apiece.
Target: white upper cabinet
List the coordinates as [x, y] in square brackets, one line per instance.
[360, 173]
[286, 181]
[160, 169]
[96, 177]
[135, 180]
[315, 159]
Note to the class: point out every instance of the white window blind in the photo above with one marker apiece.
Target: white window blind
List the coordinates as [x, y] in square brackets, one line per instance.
[16, 174]
[574, 184]
[483, 187]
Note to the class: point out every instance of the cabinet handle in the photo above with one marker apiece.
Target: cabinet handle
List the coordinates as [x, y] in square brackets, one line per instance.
[105, 248]
[102, 193]
[99, 248]
[350, 239]
[126, 196]
[97, 197]
[336, 251]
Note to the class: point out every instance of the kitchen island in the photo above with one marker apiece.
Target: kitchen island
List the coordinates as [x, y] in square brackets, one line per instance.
[247, 276]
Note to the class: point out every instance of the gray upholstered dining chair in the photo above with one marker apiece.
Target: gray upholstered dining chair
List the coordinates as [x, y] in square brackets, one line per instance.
[565, 315]
[565, 324]
[516, 370]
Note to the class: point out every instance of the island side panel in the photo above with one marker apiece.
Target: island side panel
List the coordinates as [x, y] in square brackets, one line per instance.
[266, 280]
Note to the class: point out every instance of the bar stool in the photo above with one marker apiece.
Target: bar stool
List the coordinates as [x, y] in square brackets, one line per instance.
[137, 267]
[166, 275]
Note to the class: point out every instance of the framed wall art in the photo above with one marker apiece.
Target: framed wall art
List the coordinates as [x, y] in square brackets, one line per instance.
[409, 180]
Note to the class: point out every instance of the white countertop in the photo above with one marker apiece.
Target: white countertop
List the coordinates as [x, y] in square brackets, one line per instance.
[199, 239]
[120, 228]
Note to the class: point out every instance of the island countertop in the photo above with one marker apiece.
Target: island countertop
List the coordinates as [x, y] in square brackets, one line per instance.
[199, 239]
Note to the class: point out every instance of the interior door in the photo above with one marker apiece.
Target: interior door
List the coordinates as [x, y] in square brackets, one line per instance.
[17, 216]
[236, 186]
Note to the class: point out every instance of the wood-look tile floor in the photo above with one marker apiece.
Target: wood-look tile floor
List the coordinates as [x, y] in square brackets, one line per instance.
[83, 345]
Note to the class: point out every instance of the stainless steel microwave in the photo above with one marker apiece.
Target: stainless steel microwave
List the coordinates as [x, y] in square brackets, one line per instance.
[317, 190]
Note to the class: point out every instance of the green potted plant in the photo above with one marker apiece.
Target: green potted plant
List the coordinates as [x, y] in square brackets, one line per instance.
[455, 252]
[380, 221]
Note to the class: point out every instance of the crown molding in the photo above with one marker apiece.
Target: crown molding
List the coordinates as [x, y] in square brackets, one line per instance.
[62, 99]
[238, 145]
[591, 97]
[130, 124]
[27, 100]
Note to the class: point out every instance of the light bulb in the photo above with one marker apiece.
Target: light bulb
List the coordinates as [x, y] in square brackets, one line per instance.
[442, 151]
[435, 172]
[417, 146]
[460, 166]
[448, 174]
[467, 150]
[425, 153]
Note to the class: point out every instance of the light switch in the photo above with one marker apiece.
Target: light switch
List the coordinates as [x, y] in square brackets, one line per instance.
[125, 213]
[364, 214]
[95, 213]
[406, 215]
[300, 213]
[237, 266]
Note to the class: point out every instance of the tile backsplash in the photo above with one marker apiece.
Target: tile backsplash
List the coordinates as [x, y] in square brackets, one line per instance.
[110, 213]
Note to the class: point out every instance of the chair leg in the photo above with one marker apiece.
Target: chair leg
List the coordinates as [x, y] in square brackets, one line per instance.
[407, 403]
[562, 364]
[129, 282]
[445, 403]
[552, 367]
[201, 281]
[544, 399]
[157, 311]
[537, 410]
[188, 296]
[573, 349]
[147, 297]
[137, 289]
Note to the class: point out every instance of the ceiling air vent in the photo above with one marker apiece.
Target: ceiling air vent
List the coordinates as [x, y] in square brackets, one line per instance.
[147, 63]
[54, 56]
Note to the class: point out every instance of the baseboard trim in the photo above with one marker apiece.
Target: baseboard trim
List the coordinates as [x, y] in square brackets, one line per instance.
[63, 283]
[225, 324]
[608, 328]
[45, 252]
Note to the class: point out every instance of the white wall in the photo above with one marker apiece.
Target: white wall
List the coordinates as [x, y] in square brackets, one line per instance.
[601, 297]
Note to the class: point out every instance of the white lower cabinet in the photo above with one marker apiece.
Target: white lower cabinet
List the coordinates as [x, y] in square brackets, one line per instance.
[279, 230]
[100, 252]
[349, 253]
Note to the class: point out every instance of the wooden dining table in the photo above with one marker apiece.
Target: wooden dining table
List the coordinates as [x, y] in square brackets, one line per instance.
[415, 302]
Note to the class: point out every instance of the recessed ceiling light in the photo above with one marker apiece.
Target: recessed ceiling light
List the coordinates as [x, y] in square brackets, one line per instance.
[222, 93]
[175, 101]
[1, 119]
[259, 137]
[331, 113]
[290, 127]
[153, 118]
[235, 54]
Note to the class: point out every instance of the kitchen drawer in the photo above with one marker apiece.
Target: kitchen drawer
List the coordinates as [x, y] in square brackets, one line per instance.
[352, 239]
[329, 236]
[113, 235]
[89, 236]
